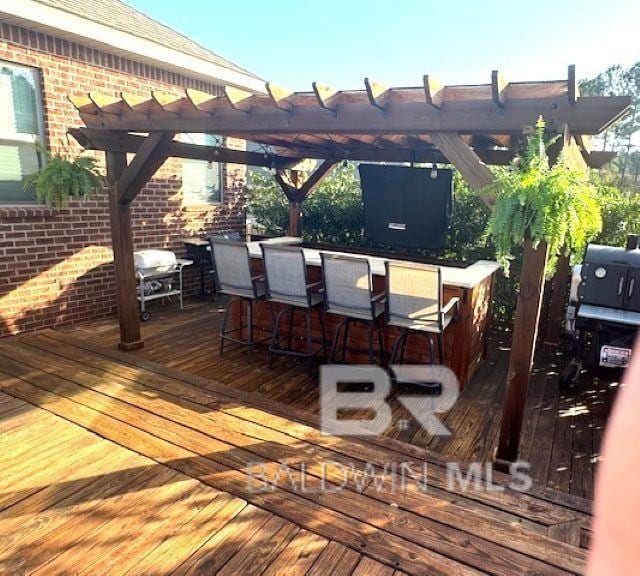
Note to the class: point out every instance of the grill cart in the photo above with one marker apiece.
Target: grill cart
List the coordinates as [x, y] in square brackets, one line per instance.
[159, 275]
[604, 309]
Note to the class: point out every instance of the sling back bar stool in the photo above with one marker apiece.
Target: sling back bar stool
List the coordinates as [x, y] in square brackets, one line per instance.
[232, 266]
[286, 283]
[348, 291]
[414, 304]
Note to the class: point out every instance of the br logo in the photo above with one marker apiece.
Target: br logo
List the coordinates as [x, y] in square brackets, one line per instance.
[336, 403]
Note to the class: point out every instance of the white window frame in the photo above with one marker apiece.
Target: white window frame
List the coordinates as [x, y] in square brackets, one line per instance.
[17, 138]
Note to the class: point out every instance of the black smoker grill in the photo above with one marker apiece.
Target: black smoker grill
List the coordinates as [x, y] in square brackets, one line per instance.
[604, 315]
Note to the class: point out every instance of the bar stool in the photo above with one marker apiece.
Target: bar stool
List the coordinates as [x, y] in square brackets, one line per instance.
[348, 291]
[286, 283]
[232, 265]
[414, 304]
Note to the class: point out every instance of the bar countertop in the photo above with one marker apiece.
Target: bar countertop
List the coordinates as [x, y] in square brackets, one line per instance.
[461, 277]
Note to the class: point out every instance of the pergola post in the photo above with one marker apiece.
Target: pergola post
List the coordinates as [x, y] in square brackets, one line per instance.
[122, 242]
[295, 213]
[126, 181]
[525, 329]
[523, 345]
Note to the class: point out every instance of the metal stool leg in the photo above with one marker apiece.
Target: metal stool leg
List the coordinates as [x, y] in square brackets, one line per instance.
[396, 345]
[224, 324]
[275, 337]
[324, 334]
[334, 344]
[370, 336]
[404, 346]
[441, 347]
[380, 342]
[290, 335]
[345, 339]
[307, 316]
[250, 328]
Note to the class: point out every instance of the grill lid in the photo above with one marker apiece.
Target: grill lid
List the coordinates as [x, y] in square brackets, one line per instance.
[598, 254]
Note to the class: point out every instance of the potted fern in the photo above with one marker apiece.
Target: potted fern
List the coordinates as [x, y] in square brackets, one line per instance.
[537, 202]
[61, 178]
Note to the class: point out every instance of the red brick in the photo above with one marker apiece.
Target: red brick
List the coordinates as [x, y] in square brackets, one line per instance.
[54, 265]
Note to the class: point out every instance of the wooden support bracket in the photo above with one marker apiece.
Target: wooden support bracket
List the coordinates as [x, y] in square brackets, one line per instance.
[296, 194]
[150, 156]
[466, 161]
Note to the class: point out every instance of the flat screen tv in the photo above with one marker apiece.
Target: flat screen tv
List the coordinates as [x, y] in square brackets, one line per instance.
[406, 207]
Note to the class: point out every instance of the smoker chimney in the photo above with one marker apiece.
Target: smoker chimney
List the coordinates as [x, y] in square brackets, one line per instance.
[633, 242]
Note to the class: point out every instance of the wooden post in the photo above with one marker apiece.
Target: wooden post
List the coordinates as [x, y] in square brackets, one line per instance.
[557, 302]
[295, 209]
[122, 241]
[523, 343]
[295, 205]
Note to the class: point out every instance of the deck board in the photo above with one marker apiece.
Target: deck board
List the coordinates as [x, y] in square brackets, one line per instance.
[161, 483]
[189, 341]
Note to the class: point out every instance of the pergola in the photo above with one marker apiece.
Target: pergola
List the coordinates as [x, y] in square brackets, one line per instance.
[467, 126]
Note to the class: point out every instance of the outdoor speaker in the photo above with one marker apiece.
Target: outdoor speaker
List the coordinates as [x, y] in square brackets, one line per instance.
[406, 207]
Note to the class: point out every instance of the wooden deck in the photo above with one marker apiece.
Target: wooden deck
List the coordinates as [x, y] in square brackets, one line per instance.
[561, 435]
[115, 464]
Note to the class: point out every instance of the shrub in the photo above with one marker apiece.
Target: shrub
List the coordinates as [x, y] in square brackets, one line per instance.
[620, 215]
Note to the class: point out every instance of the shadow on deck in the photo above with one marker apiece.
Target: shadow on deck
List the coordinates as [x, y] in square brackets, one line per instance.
[561, 434]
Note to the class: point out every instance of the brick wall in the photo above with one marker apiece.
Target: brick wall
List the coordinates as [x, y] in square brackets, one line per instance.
[56, 266]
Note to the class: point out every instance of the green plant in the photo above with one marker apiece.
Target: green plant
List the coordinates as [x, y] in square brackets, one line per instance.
[267, 203]
[61, 178]
[620, 215]
[332, 213]
[558, 204]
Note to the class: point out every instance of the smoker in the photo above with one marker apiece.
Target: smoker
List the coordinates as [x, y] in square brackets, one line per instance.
[603, 315]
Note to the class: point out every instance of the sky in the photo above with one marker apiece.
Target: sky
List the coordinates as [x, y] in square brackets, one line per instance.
[340, 42]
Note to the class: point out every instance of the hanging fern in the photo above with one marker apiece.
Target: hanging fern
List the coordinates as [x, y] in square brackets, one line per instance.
[537, 202]
[60, 179]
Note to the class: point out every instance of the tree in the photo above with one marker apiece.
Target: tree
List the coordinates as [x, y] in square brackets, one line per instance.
[617, 81]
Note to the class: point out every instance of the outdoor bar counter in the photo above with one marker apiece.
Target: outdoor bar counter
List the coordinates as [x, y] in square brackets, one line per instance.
[465, 338]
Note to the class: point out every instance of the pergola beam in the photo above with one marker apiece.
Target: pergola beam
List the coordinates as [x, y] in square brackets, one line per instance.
[498, 85]
[377, 94]
[95, 139]
[589, 115]
[573, 91]
[324, 95]
[433, 91]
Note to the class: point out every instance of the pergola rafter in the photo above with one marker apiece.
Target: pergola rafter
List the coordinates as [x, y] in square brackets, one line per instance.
[468, 126]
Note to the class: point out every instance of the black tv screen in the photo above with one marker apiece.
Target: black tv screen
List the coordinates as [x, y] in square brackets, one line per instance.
[406, 207]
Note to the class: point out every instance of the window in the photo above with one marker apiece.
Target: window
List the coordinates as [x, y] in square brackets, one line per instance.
[201, 181]
[20, 129]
